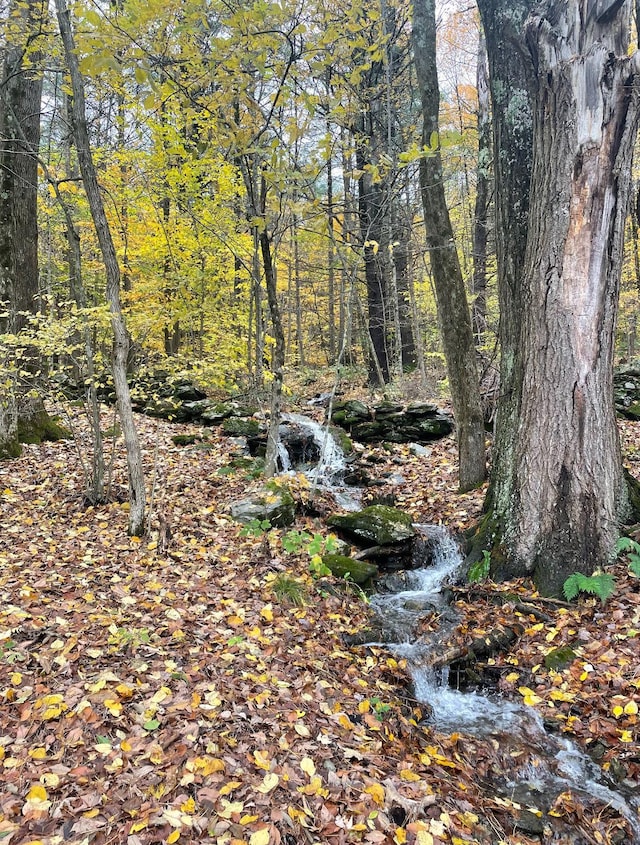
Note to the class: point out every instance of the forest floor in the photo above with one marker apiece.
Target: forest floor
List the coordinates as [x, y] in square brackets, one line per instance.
[195, 686]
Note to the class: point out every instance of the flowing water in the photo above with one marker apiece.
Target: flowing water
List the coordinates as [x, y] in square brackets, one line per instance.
[550, 764]
[328, 473]
[535, 766]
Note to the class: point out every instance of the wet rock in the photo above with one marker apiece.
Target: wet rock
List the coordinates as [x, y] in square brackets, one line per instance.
[342, 566]
[376, 525]
[529, 822]
[275, 505]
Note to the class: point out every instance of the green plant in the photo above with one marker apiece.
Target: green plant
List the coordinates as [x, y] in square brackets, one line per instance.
[626, 544]
[255, 528]
[288, 589]
[379, 708]
[479, 570]
[295, 541]
[599, 584]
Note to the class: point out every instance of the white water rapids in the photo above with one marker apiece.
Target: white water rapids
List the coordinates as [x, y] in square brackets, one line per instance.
[557, 764]
[551, 764]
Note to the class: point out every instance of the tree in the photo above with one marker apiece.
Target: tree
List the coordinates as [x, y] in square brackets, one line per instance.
[558, 492]
[112, 271]
[453, 309]
[22, 413]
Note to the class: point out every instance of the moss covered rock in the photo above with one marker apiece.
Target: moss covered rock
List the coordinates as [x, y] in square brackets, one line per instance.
[237, 427]
[277, 506]
[342, 566]
[39, 427]
[377, 525]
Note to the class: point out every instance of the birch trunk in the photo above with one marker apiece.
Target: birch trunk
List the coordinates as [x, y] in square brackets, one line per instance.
[120, 337]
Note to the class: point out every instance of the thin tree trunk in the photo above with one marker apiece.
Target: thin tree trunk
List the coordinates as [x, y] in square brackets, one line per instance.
[453, 309]
[481, 212]
[112, 269]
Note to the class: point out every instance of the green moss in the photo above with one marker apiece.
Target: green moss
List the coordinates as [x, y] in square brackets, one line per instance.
[10, 449]
[358, 571]
[40, 427]
[633, 492]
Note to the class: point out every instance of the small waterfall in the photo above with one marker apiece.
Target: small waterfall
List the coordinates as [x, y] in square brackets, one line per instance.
[330, 463]
[554, 764]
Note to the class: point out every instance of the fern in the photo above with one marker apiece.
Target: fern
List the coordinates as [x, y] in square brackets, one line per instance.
[626, 544]
[600, 585]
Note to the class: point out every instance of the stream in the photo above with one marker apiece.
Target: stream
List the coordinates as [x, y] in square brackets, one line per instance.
[534, 767]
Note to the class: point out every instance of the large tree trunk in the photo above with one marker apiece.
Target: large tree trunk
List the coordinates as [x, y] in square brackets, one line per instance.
[137, 495]
[567, 491]
[22, 413]
[453, 308]
[510, 82]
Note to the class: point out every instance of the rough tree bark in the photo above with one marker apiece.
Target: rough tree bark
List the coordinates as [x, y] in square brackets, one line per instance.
[23, 417]
[452, 305]
[137, 496]
[558, 505]
[483, 192]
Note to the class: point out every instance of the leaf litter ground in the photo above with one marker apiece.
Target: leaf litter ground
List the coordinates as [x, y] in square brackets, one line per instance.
[169, 690]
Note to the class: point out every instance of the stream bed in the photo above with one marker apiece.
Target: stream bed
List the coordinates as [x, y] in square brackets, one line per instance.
[534, 768]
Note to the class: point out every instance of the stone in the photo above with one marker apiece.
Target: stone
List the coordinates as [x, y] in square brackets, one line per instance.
[275, 505]
[342, 566]
[238, 427]
[348, 413]
[377, 525]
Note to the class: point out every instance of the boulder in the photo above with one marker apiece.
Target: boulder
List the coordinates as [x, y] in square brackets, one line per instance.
[358, 571]
[275, 505]
[238, 427]
[389, 421]
[377, 525]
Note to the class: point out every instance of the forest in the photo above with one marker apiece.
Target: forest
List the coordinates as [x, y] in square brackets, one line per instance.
[319, 422]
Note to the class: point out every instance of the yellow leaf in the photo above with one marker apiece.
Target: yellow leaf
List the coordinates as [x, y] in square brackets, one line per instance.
[16, 679]
[260, 837]
[229, 787]
[617, 711]
[113, 706]
[626, 736]
[208, 765]
[512, 677]
[376, 791]
[261, 759]
[423, 837]
[528, 696]
[308, 766]
[301, 729]
[407, 774]
[38, 754]
[631, 708]
[400, 836]
[173, 837]
[189, 806]
[267, 612]
[269, 782]
[249, 819]
[50, 779]
[37, 794]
